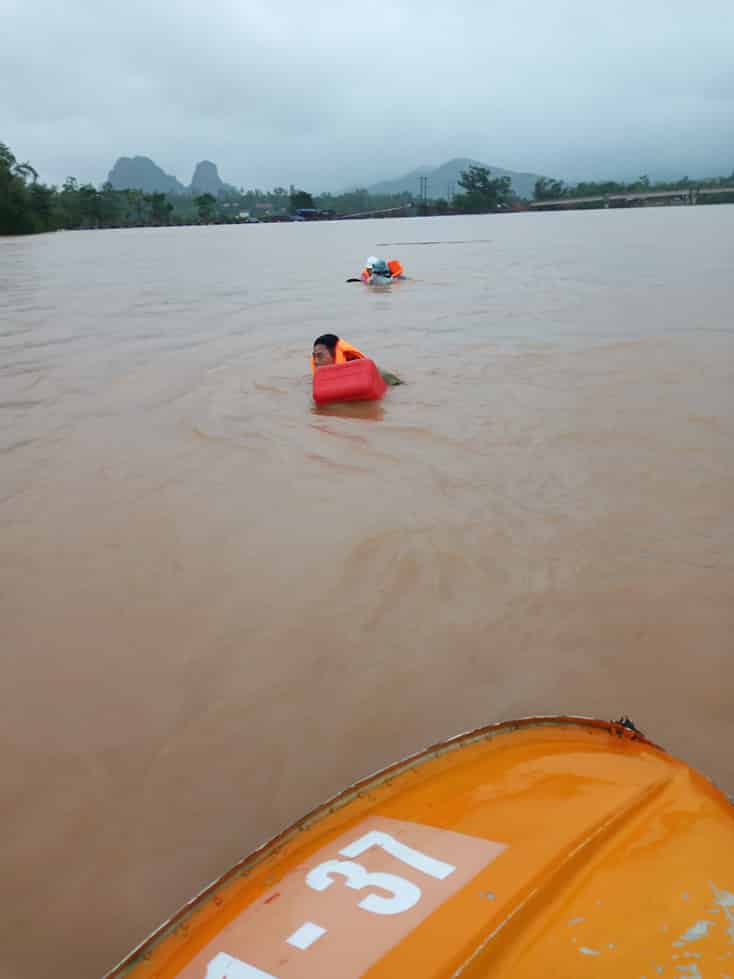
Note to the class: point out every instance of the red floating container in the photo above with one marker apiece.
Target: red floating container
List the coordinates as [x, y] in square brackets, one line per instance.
[357, 380]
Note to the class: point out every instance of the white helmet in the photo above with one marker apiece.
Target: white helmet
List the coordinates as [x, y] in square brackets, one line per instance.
[371, 261]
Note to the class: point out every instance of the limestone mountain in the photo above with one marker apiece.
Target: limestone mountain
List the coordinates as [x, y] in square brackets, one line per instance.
[140, 173]
[206, 180]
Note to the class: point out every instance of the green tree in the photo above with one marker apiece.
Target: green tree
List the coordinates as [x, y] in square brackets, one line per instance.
[300, 199]
[69, 202]
[160, 207]
[205, 204]
[137, 209]
[17, 214]
[89, 206]
[111, 205]
[12, 194]
[279, 198]
[547, 189]
[481, 193]
[24, 171]
[42, 205]
[592, 188]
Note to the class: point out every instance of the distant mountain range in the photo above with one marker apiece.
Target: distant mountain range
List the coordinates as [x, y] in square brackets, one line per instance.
[141, 173]
[444, 180]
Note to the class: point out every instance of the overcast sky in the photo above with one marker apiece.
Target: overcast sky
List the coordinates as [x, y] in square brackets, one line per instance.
[333, 94]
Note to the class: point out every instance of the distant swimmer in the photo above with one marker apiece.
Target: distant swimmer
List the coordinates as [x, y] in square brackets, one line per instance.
[377, 271]
[330, 349]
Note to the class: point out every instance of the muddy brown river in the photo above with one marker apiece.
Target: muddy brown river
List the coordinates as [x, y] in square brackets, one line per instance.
[219, 606]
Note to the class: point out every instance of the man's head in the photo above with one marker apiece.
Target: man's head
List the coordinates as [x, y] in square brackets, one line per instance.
[324, 349]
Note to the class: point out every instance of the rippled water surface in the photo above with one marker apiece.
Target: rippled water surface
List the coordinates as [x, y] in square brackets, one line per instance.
[219, 606]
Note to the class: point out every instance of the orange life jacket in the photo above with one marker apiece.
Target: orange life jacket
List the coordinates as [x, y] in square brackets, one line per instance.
[344, 352]
[395, 267]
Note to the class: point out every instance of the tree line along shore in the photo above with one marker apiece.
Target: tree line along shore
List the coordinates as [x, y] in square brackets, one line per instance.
[28, 206]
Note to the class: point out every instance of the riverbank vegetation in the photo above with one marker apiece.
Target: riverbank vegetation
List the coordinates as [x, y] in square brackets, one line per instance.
[28, 206]
[547, 189]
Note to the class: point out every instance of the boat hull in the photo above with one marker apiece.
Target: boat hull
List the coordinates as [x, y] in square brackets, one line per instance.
[541, 847]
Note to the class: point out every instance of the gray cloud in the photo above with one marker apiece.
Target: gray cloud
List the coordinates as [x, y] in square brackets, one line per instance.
[340, 93]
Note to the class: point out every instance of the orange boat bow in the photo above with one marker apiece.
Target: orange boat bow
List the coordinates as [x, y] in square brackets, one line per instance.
[548, 847]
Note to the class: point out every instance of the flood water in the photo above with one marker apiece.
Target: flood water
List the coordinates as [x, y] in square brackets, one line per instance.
[219, 607]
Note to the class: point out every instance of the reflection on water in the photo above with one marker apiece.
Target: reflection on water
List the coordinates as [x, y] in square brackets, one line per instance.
[220, 605]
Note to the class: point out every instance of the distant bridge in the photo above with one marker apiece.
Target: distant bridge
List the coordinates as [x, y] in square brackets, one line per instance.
[625, 198]
[403, 210]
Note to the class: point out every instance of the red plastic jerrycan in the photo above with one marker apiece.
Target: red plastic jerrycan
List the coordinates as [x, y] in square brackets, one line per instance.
[357, 380]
